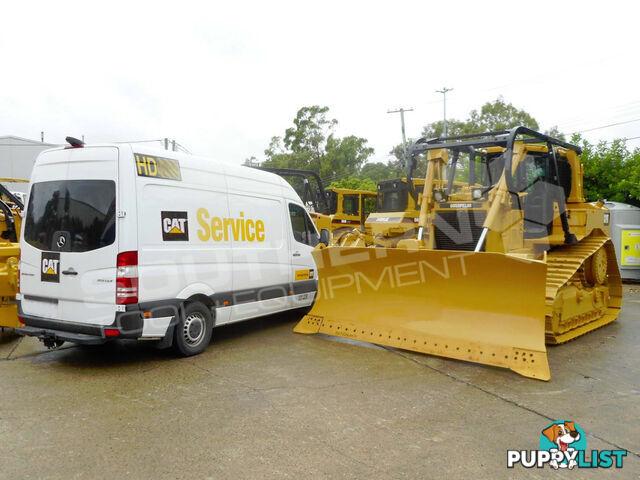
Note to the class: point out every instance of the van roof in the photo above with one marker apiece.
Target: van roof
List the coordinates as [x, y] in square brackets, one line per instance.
[196, 162]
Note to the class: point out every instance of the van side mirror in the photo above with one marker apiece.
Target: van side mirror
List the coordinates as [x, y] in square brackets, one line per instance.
[324, 236]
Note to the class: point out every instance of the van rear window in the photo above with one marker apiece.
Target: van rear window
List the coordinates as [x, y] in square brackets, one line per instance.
[71, 215]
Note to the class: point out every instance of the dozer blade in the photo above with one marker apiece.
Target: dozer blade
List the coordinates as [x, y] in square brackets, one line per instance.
[486, 308]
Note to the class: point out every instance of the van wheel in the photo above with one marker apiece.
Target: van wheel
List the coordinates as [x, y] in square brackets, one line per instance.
[193, 331]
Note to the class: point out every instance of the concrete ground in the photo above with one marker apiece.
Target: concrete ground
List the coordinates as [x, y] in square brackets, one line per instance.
[265, 403]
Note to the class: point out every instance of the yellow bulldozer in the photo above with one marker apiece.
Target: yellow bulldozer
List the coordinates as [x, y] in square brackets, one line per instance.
[395, 217]
[11, 208]
[507, 256]
[349, 209]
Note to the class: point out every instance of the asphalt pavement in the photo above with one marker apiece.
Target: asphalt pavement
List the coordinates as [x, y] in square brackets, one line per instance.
[265, 403]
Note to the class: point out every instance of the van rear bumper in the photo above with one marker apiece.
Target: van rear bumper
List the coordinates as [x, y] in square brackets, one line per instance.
[128, 326]
[49, 334]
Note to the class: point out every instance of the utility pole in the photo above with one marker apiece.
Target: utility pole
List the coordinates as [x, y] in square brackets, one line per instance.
[444, 101]
[404, 137]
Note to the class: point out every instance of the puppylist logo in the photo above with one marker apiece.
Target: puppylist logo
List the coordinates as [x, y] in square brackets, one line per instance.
[563, 445]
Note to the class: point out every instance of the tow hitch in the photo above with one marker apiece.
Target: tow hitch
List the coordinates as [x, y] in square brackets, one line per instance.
[51, 342]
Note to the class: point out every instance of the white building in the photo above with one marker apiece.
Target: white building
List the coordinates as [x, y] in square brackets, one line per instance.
[17, 156]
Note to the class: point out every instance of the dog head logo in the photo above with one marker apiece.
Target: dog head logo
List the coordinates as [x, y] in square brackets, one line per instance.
[565, 438]
[562, 434]
[175, 226]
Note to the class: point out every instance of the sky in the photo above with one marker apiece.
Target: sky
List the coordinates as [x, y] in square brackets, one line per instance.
[222, 78]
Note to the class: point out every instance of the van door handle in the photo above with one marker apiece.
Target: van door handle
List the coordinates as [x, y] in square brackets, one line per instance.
[296, 254]
[71, 271]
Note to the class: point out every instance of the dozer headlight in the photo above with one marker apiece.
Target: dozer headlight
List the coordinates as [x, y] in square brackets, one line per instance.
[439, 196]
[477, 194]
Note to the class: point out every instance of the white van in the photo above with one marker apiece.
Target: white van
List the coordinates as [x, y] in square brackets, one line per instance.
[124, 241]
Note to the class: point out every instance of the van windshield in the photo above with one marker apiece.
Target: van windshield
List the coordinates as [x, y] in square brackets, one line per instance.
[71, 215]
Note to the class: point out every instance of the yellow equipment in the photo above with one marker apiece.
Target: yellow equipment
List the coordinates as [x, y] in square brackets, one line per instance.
[10, 222]
[395, 217]
[337, 210]
[348, 209]
[507, 255]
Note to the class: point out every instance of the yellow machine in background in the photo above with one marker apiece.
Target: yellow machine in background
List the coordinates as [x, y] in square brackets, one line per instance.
[395, 217]
[507, 254]
[10, 222]
[348, 209]
[338, 210]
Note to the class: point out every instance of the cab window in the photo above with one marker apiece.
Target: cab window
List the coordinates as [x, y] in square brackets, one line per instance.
[332, 200]
[369, 204]
[350, 204]
[392, 196]
[303, 229]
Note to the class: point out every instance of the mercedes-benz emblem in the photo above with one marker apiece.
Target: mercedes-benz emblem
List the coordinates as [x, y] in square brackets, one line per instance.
[61, 241]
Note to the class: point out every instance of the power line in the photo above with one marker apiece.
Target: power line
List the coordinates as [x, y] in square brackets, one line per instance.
[607, 126]
[624, 139]
[625, 109]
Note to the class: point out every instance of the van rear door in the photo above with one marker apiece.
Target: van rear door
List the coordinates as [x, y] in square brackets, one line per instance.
[69, 241]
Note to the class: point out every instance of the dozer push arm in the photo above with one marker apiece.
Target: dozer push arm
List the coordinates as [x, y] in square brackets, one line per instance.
[436, 160]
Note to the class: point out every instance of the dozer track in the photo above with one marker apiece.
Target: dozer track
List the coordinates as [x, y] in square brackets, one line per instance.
[583, 289]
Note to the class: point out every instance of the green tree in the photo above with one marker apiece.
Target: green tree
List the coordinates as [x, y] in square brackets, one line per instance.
[499, 115]
[436, 129]
[496, 115]
[311, 144]
[377, 171]
[630, 183]
[555, 133]
[355, 183]
[611, 171]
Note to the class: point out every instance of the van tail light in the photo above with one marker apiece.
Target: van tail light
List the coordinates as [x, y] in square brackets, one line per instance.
[127, 278]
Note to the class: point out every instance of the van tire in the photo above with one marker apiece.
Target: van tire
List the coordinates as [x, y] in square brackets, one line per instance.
[193, 332]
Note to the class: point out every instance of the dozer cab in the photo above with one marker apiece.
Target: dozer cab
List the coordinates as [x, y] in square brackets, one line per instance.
[507, 255]
[349, 209]
[337, 210]
[395, 217]
[11, 209]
